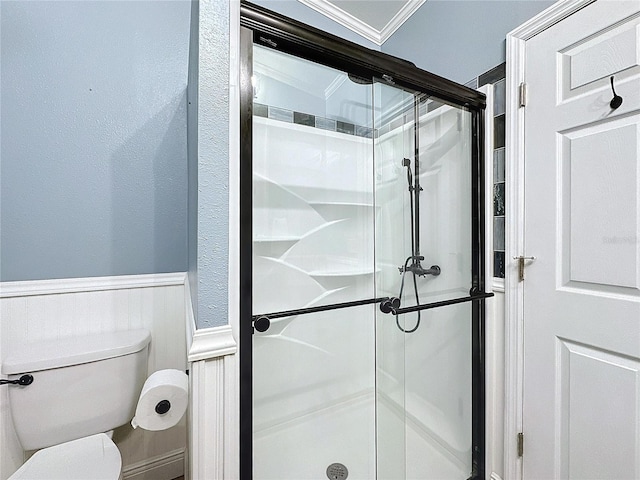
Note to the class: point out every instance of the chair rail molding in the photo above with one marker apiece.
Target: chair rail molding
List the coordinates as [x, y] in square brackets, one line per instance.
[514, 241]
[55, 286]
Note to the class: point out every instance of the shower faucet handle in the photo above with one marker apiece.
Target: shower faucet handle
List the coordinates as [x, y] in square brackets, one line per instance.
[419, 270]
[433, 270]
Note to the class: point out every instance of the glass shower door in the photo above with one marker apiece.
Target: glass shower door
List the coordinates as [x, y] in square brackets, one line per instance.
[423, 252]
[313, 243]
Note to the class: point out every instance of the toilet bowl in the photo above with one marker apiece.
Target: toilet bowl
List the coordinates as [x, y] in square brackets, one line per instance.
[82, 387]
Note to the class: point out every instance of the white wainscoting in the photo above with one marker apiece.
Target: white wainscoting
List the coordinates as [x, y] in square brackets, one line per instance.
[48, 309]
[213, 401]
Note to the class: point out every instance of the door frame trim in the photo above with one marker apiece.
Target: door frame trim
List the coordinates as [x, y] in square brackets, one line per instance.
[514, 241]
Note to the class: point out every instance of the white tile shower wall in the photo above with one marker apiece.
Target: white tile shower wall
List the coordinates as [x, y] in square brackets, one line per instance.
[33, 311]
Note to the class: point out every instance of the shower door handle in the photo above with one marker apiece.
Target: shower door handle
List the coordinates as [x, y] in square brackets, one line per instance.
[521, 259]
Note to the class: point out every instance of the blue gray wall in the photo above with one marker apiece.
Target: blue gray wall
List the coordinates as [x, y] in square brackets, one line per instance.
[460, 39]
[93, 170]
[209, 129]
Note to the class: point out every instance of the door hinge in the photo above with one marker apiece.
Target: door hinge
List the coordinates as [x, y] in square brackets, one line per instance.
[520, 444]
[522, 95]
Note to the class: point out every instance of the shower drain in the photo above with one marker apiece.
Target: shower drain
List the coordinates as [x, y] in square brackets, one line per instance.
[337, 471]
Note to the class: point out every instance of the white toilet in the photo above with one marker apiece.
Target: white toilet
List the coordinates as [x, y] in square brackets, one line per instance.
[82, 387]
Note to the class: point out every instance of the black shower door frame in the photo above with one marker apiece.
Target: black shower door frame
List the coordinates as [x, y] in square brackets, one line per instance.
[272, 30]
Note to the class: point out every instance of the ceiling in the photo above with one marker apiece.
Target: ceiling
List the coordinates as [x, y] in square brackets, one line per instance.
[376, 20]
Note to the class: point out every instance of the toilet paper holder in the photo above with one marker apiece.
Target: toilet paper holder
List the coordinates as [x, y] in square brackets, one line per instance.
[163, 406]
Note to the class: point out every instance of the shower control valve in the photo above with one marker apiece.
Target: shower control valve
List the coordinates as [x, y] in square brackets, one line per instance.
[417, 269]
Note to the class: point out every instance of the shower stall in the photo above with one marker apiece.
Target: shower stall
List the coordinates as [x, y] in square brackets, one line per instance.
[362, 262]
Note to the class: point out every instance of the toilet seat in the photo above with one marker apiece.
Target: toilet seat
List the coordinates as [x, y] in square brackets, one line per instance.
[95, 457]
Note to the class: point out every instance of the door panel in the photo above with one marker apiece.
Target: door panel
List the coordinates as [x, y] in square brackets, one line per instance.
[582, 297]
[612, 406]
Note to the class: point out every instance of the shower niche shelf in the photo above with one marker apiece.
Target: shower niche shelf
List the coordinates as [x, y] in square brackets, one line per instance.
[313, 222]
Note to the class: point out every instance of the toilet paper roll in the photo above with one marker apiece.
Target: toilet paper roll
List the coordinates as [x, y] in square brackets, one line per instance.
[163, 400]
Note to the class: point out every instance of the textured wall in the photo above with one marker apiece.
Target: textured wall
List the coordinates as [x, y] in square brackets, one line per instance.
[213, 164]
[460, 39]
[93, 155]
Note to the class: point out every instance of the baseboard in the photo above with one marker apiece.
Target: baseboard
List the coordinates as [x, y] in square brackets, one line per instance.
[163, 467]
[495, 476]
[88, 284]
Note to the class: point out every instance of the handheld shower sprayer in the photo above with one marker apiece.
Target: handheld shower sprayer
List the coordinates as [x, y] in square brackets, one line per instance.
[412, 263]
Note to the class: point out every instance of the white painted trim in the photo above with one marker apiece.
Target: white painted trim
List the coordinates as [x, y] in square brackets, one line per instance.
[345, 19]
[514, 241]
[231, 418]
[209, 343]
[89, 284]
[169, 465]
[492, 439]
[547, 18]
[206, 343]
[363, 29]
[495, 476]
[399, 18]
[213, 456]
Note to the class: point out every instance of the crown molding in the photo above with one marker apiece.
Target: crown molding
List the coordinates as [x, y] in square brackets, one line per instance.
[399, 18]
[356, 25]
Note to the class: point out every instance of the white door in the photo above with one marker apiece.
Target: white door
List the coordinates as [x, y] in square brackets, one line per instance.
[581, 416]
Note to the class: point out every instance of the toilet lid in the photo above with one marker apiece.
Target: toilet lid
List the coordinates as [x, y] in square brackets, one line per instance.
[95, 457]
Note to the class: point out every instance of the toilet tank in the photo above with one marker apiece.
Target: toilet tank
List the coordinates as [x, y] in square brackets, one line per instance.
[81, 386]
